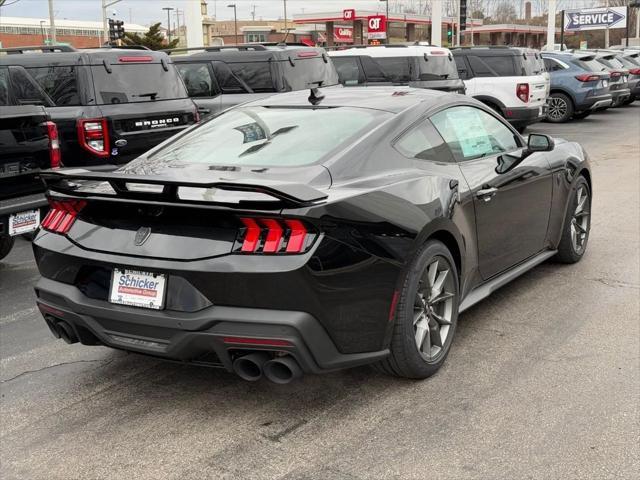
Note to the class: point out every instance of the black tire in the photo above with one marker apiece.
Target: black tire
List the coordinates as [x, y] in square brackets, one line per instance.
[6, 244]
[582, 115]
[567, 251]
[405, 359]
[560, 108]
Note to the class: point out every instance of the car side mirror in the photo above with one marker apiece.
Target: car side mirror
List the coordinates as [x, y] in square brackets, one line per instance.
[538, 142]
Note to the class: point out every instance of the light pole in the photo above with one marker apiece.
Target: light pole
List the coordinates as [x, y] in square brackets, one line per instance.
[168, 9]
[105, 27]
[52, 24]
[44, 39]
[387, 20]
[235, 20]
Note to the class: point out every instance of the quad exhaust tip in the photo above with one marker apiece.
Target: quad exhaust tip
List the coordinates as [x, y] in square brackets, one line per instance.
[249, 367]
[282, 370]
[279, 370]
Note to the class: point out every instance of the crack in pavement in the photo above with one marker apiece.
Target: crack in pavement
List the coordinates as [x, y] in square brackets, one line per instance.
[615, 283]
[276, 437]
[52, 366]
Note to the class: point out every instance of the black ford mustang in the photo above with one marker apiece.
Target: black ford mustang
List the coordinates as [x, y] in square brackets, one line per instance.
[303, 233]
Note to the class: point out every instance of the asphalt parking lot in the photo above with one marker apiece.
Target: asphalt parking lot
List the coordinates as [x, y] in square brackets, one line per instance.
[543, 380]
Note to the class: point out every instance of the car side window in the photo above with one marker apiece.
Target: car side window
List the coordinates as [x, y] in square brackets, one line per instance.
[59, 83]
[349, 71]
[551, 65]
[473, 133]
[463, 71]
[423, 142]
[198, 78]
[24, 89]
[4, 86]
[497, 66]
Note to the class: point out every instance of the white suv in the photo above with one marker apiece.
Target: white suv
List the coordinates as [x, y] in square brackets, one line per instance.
[413, 65]
[512, 81]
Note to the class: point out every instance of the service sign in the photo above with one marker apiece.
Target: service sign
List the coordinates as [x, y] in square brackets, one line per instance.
[348, 15]
[343, 34]
[595, 19]
[377, 26]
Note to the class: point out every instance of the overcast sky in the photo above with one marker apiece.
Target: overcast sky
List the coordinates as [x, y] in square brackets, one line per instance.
[145, 12]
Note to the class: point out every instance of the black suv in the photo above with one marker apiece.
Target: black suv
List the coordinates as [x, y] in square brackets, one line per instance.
[220, 77]
[28, 144]
[110, 104]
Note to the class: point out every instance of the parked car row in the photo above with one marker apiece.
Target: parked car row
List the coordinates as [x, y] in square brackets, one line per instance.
[306, 230]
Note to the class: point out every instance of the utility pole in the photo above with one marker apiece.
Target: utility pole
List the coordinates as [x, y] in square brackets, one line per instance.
[436, 24]
[551, 25]
[606, 30]
[253, 13]
[235, 20]
[52, 24]
[285, 16]
[458, 29]
[105, 27]
[168, 9]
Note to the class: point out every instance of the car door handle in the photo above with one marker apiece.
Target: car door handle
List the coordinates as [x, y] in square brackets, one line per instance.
[204, 110]
[486, 193]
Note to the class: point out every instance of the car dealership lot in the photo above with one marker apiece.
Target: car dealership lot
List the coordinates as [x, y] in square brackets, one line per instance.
[542, 381]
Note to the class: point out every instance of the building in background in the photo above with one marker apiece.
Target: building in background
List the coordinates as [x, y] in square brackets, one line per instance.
[22, 31]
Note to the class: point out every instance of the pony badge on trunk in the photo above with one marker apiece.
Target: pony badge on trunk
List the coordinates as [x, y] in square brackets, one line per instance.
[142, 235]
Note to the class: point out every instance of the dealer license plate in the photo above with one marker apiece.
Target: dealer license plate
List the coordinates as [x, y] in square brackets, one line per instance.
[24, 222]
[137, 289]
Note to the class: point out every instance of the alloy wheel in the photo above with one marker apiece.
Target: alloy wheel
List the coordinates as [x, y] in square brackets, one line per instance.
[557, 108]
[580, 220]
[433, 308]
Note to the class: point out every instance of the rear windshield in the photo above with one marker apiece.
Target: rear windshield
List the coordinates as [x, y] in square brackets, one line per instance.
[532, 64]
[612, 62]
[270, 136]
[244, 77]
[306, 71]
[136, 82]
[590, 65]
[436, 67]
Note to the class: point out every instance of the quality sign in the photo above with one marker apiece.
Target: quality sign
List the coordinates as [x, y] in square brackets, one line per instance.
[595, 19]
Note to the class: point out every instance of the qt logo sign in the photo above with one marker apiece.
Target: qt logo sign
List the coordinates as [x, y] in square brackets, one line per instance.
[348, 14]
[377, 26]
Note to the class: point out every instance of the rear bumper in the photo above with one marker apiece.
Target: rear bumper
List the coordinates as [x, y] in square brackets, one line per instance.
[620, 95]
[197, 337]
[20, 204]
[594, 102]
[520, 117]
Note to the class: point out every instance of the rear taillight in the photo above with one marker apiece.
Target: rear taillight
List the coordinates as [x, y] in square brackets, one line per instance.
[93, 135]
[270, 235]
[588, 77]
[635, 71]
[54, 145]
[196, 116]
[522, 92]
[62, 215]
[136, 59]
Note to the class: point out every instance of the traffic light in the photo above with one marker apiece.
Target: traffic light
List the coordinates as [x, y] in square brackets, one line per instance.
[116, 30]
[450, 34]
[463, 15]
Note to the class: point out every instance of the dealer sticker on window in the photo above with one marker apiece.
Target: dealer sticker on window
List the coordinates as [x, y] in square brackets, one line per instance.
[137, 289]
[24, 222]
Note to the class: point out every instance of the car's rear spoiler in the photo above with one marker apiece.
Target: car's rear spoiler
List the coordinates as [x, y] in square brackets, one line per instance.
[62, 181]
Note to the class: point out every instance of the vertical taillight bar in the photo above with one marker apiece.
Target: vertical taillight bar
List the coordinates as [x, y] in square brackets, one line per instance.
[55, 156]
[93, 135]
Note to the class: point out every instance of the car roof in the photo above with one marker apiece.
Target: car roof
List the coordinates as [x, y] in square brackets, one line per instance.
[246, 52]
[393, 51]
[389, 99]
[491, 50]
[83, 56]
